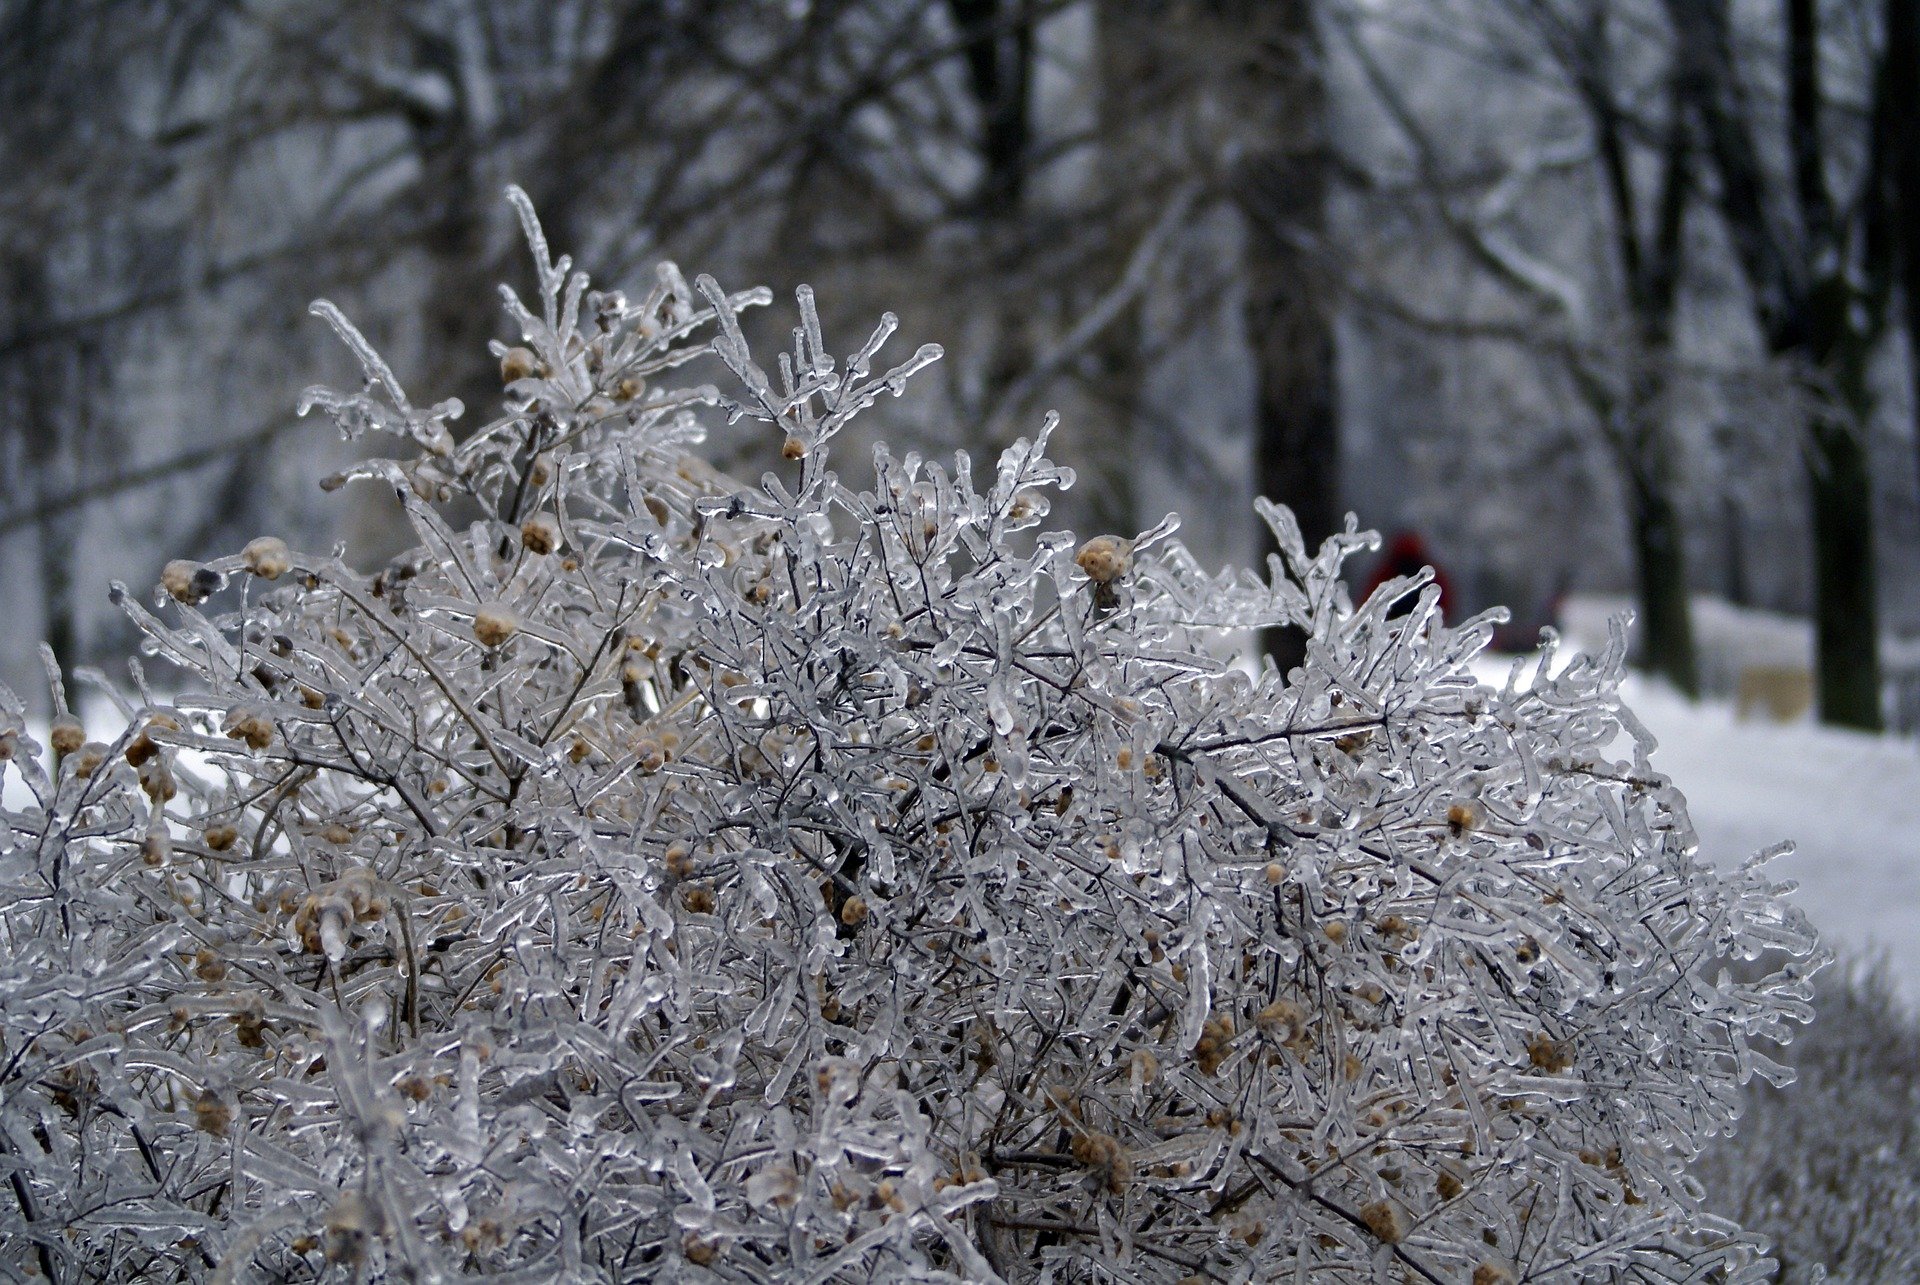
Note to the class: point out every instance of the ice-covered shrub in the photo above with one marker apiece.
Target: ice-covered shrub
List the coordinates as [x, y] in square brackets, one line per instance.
[654, 876]
[1829, 1171]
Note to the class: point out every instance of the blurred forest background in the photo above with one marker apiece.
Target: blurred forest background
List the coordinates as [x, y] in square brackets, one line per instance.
[1591, 295]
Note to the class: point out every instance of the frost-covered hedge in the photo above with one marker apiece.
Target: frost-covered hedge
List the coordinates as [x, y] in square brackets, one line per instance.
[1829, 1170]
[653, 876]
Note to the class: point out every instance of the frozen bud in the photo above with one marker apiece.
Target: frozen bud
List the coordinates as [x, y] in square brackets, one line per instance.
[323, 922]
[156, 848]
[156, 778]
[700, 1249]
[245, 723]
[1281, 1019]
[494, 623]
[87, 760]
[187, 581]
[517, 364]
[792, 449]
[776, 1185]
[1548, 1054]
[267, 557]
[1462, 817]
[142, 747]
[208, 966]
[1105, 558]
[853, 910]
[1105, 1157]
[177, 578]
[352, 1224]
[540, 533]
[1028, 505]
[629, 389]
[219, 838]
[211, 1115]
[1491, 1273]
[66, 734]
[1385, 1220]
[650, 757]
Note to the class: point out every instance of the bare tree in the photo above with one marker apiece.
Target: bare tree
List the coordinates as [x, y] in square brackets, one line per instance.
[1815, 240]
[1596, 306]
[1278, 173]
[1629, 390]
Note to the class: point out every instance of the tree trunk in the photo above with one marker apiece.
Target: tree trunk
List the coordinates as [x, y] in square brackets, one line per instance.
[999, 56]
[1281, 188]
[42, 393]
[1660, 563]
[1901, 110]
[1846, 630]
[460, 201]
[1846, 598]
[1814, 311]
[1131, 89]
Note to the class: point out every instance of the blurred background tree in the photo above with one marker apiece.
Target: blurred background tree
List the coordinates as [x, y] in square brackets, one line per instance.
[1610, 296]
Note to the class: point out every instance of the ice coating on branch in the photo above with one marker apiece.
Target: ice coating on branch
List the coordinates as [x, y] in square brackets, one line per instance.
[664, 877]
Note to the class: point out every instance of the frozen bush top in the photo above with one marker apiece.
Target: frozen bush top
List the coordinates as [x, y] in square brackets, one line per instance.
[660, 877]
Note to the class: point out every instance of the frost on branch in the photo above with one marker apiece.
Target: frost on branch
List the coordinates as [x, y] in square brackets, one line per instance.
[664, 877]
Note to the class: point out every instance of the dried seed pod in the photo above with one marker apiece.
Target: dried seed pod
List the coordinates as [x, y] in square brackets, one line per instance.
[211, 1114]
[245, 723]
[1107, 1160]
[156, 849]
[648, 755]
[540, 533]
[517, 364]
[1386, 1220]
[267, 557]
[189, 582]
[88, 758]
[494, 623]
[66, 734]
[1105, 558]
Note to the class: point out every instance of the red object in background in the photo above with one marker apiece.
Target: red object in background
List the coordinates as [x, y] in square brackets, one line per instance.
[1406, 553]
